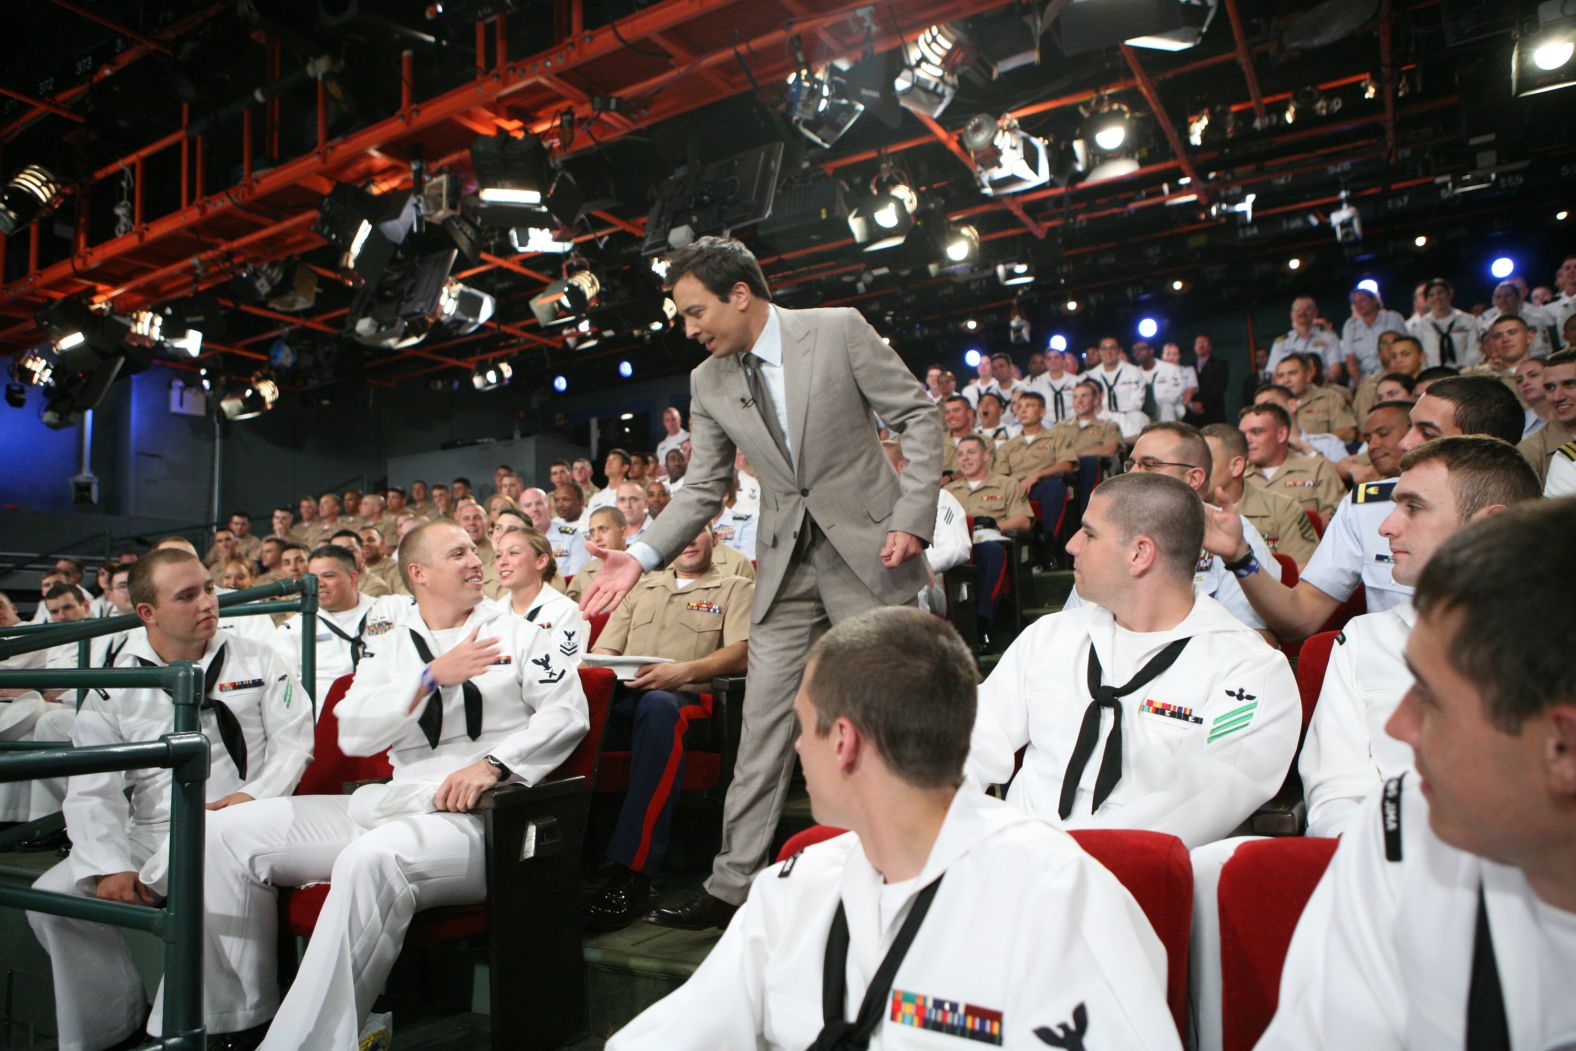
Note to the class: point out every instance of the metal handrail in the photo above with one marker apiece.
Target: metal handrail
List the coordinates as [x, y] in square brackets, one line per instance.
[186, 753]
[25, 638]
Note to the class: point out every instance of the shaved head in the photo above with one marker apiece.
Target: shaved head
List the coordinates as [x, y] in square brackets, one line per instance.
[416, 548]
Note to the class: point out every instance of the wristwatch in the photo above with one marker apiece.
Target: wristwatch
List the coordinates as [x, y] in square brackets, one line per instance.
[497, 764]
[1245, 566]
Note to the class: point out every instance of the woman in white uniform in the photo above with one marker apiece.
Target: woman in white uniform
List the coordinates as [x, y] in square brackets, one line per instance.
[526, 566]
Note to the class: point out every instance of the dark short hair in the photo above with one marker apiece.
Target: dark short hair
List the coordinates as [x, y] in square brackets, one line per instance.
[351, 533]
[1483, 406]
[1267, 408]
[280, 544]
[141, 585]
[984, 445]
[1002, 355]
[1196, 448]
[118, 569]
[61, 591]
[1503, 575]
[1561, 357]
[1162, 508]
[949, 399]
[1437, 372]
[1509, 317]
[346, 560]
[395, 489]
[438, 486]
[907, 681]
[462, 480]
[1483, 471]
[293, 547]
[1273, 388]
[1407, 339]
[1231, 439]
[287, 510]
[1034, 394]
[612, 512]
[1408, 383]
[559, 463]
[1438, 282]
[516, 512]
[619, 454]
[719, 263]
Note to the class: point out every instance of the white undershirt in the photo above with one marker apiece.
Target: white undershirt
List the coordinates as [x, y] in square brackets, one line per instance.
[1556, 958]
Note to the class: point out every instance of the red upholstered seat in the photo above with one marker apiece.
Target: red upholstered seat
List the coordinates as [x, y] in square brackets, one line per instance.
[330, 769]
[1354, 606]
[702, 770]
[1153, 866]
[1288, 565]
[1312, 659]
[1317, 520]
[598, 621]
[1263, 890]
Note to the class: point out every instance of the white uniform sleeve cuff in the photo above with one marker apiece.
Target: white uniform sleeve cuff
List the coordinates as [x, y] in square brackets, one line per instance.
[646, 555]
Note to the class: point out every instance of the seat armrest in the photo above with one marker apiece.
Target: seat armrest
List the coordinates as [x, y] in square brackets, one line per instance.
[513, 795]
[727, 715]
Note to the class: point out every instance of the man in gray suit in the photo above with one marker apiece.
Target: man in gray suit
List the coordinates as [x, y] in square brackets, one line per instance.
[840, 531]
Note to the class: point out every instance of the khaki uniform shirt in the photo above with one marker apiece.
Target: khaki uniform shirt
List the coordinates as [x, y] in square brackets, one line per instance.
[1074, 439]
[585, 576]
[1322, 410]
[996, 495]
[1026, 455]
[1541, 445]
[1280, 521]
[659, 619]
[383, 579]
[1310, 480]
[732, 562]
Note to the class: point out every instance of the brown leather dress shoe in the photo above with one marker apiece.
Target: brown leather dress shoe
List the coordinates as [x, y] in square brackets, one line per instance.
[696, 914]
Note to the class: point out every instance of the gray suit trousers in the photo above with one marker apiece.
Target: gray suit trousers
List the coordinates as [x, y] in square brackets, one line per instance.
[818, 590]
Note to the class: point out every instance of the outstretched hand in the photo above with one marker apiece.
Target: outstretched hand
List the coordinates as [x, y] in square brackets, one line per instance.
[1223, 528]
[620, 571]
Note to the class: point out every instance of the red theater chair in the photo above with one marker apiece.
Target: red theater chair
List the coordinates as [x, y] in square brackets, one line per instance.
[1317, 520]
[1312, 660]
[533, 837]
[1153, 866]
[1288, 566]
[707, 771]
[1263, 890]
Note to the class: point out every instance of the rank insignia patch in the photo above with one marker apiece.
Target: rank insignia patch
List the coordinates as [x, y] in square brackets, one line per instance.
[969, 1021]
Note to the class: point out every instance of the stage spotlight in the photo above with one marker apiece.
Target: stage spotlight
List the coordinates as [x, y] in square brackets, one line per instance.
[1015, 273]
[625, 369]
[1502, 267]
[820, 106]
[539, 239]
[560, 384]
[963, 244]
[883, 219]
[1006, 160]
[1108, 126]
[1058, 343]
[925, 84]
[1420, 241]
[1147, 327]
[971, 325]
[659, 266]
[1561, 215]
[1072, 306]
[1545, 60]
[259, 395]
[32, 192]
[366, 229]
[463, 308]
[972, 358]
[569, 297]
[1294, 263]
[492, 375]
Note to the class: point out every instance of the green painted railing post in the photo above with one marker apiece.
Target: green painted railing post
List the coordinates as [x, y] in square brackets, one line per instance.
[183, 951]
[84, 660]
[309, 638]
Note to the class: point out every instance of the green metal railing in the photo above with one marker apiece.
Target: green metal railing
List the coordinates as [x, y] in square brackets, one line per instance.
[185, 752]
[269, 598]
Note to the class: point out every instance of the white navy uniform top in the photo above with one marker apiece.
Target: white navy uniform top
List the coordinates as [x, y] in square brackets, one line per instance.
[1055, 410]
[670, 441]
[1361, 340]
[1026, 932]
[736, 527]
[569, 545]
[1212, 578]
[1124, 386]
[1326, 345]
[1462, 329]
[607, 496]
[1382, 956]
[533, 709]
[333, 654]
[1204, 744]
[1327, 445]
[257, 628]
[950, 542]
[1539, 319]
[1347, 756]
[1562, 474]
[1561, 309]
[1169, 382]
[1352, 552]
[111, 833]
[749, 491]
[558, 615]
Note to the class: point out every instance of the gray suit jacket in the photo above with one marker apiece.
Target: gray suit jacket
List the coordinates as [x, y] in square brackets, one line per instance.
[839, 376]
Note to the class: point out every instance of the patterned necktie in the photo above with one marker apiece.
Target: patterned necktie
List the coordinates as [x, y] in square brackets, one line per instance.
[1089, 732]
[230, 734]
[431, 720]
[761, 395]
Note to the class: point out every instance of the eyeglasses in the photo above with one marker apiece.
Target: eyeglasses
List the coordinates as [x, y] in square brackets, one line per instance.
[1149, 463]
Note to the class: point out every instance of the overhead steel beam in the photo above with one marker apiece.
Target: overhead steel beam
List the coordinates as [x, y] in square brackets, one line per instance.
[951, 143]
[146, 41]
[1178, 149]
[1245, 60]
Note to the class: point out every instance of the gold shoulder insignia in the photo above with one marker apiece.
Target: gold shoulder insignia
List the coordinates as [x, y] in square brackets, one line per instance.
[1568, 450]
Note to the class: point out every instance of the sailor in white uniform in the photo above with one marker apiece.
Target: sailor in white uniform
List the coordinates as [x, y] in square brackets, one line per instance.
[342, 613]
[1447, 917]
[463, 696]
[944, 918]
[1195, 717]
[259, 724]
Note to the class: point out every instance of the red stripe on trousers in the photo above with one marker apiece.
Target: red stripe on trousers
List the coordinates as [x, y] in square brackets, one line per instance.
[659, 798]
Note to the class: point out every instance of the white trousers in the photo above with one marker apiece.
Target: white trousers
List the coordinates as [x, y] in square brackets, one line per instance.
[380, 878]
[1204, 967]
[31, 800]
